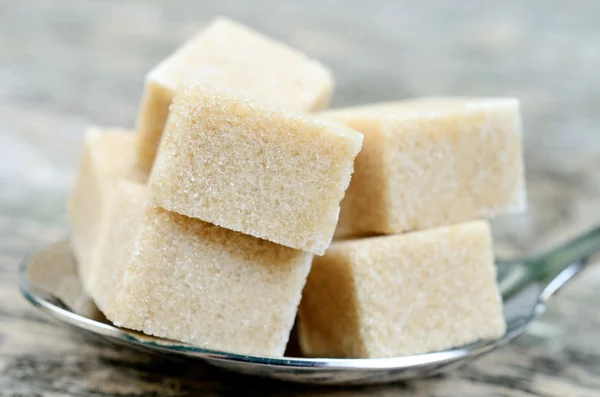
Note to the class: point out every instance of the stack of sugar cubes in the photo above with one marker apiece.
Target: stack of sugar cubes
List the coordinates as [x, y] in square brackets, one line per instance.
[202, 226]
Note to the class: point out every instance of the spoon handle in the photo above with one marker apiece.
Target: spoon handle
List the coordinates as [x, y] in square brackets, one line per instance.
[554, 268]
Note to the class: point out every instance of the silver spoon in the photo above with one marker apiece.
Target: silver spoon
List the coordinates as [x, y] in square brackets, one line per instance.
[48, 280]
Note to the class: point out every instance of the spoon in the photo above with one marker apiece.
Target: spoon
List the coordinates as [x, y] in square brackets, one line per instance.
[49, 281]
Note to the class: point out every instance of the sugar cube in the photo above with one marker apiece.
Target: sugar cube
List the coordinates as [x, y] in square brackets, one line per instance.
[254, 168]
[432, 162]
[405, 294]
[108, 155]
[180, 278]
[233, 57]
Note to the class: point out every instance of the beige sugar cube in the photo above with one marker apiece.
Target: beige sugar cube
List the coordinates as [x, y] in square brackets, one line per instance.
[405, 294]
[108, 155]
[236, 58]
[254, 168]
[116, 241]
[180, 278]
[432, 162]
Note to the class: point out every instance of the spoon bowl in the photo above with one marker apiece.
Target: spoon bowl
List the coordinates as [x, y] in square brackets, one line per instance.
[49, 281]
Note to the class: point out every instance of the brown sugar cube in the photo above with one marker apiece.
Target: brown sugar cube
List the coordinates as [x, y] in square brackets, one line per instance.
[116, 241]
[254, 168]
[399, 295]
[108, 155]
[180, 278]
[236, 58]
[432, 162]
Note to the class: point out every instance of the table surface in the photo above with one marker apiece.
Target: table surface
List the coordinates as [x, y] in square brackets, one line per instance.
[66, 64]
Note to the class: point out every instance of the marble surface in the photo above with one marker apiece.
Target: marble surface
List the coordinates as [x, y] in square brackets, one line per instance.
[65, 64]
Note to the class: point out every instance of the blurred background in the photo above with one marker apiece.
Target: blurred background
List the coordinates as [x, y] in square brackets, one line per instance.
[66, 64]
